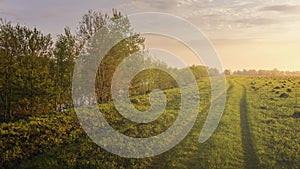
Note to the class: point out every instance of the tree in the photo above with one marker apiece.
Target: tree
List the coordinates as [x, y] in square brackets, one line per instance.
[7, 67]
[66, 50]
[25, 56]
[113, 28]
[227, 72]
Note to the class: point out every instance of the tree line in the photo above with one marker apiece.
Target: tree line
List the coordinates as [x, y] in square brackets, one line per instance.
[36, 71]
[253, 72]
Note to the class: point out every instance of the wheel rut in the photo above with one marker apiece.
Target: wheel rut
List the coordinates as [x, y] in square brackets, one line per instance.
[250, 158]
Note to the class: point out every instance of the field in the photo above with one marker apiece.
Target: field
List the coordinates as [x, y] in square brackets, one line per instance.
[259, 129]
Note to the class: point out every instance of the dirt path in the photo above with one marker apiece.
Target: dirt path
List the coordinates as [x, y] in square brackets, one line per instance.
[251, 160]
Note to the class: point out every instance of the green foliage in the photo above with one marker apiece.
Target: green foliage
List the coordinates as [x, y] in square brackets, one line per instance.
[37, 134]
[25, 71]
[36, 76]
[65, 52]
[97, 32]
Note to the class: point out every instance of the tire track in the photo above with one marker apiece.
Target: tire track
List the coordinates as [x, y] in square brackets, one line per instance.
[250, 158]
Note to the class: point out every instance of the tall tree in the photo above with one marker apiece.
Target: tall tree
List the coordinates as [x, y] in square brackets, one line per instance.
[66, 50]
[24, 55]
[112, 28]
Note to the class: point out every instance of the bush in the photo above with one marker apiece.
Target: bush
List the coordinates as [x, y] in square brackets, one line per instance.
[23, 139]
[284, 95]
[296, 115]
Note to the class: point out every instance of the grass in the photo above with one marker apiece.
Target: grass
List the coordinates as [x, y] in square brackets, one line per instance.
[257, 130]
[275, 131]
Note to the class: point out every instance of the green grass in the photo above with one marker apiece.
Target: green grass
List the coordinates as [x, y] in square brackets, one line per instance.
[257, 130]
[275, 131]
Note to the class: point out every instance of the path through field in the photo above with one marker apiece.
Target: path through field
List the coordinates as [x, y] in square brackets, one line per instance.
[230, 146]
[248, 147]
[226, 147]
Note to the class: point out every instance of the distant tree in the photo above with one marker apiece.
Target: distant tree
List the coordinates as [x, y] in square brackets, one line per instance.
[213, 71]
[227, 72]
[275, 72]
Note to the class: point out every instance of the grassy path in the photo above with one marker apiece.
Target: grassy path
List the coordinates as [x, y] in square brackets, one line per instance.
[250, 157]
[223, 150]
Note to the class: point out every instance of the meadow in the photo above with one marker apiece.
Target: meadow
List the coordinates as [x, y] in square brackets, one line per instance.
[259, 129]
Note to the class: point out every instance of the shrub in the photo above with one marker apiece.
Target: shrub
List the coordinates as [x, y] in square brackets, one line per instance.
[277, 87]
[289, 90]
[284, 95]
[296, 115]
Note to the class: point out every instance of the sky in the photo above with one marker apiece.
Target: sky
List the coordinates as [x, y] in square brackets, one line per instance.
[247, 34]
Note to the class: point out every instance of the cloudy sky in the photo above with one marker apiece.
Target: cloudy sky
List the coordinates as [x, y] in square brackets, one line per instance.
[246, 34]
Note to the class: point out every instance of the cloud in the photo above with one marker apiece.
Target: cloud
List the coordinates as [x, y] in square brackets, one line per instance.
[148, 6]
[218, 18]
[186, 2]
[283, 8]
[162, 4]
[257, 21]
